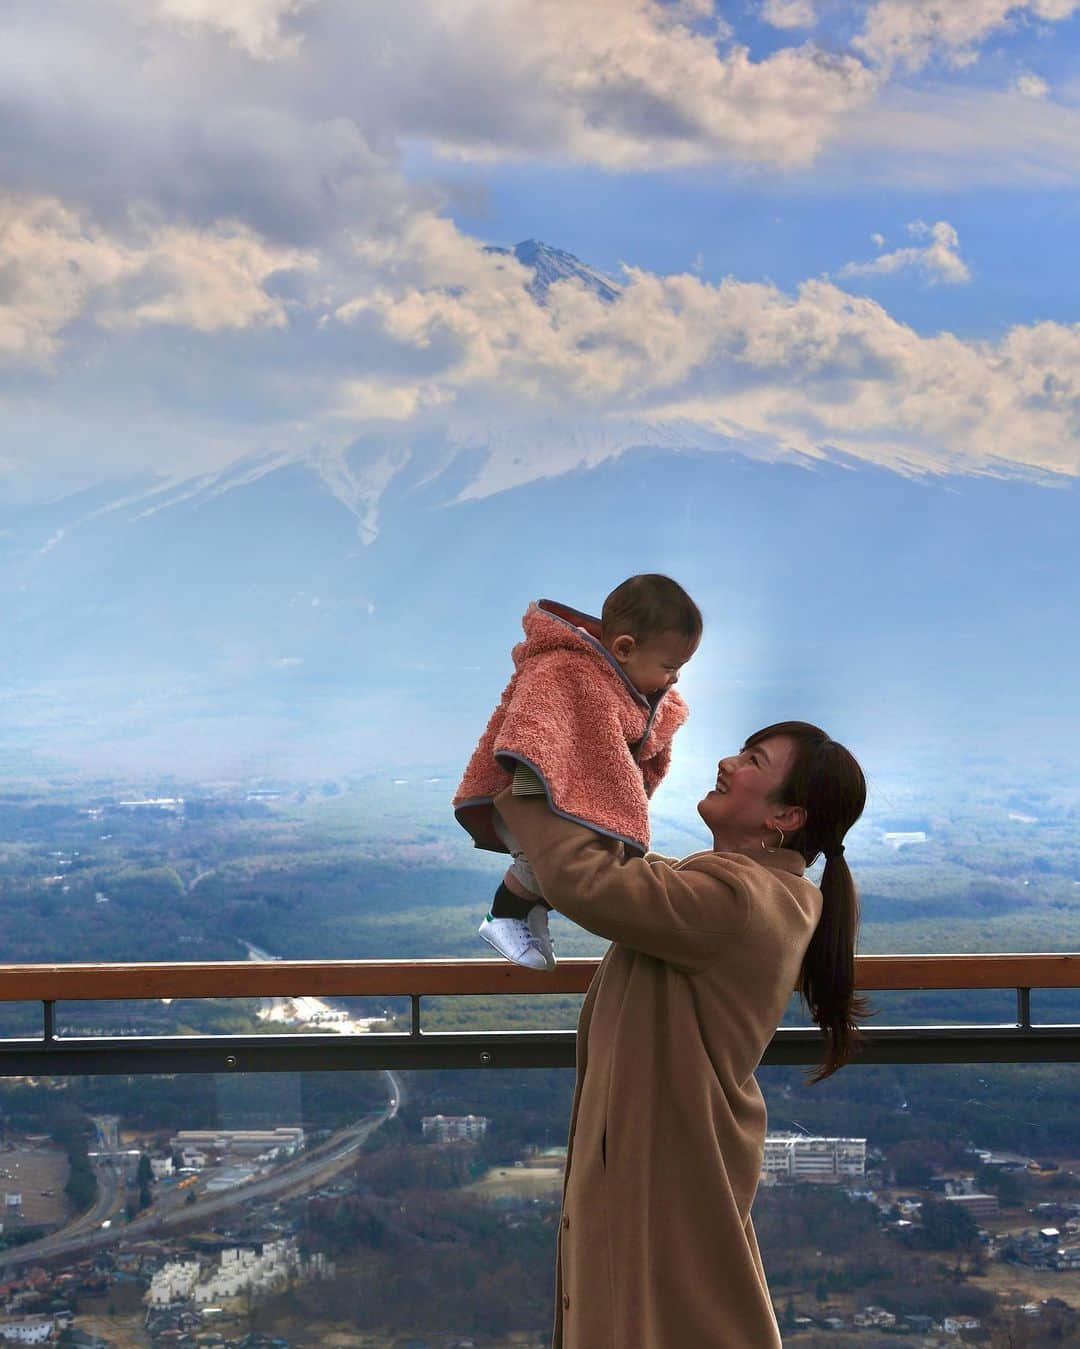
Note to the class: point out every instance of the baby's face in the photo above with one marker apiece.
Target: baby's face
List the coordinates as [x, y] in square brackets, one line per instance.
[654, 664]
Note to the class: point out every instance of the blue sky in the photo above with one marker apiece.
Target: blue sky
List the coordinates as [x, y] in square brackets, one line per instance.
[844, 235]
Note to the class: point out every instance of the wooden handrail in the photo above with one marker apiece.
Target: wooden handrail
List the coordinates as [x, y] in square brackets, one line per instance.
[390, 978]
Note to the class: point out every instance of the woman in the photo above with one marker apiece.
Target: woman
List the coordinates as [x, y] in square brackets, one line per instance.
[656, 1246]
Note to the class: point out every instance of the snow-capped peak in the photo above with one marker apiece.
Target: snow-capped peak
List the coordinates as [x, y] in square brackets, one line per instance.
[549, 265]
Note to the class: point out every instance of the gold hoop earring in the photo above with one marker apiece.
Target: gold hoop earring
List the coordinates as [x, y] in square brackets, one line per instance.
[779, 845]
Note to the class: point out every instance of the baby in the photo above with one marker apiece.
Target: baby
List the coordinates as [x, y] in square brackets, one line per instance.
[587, 721]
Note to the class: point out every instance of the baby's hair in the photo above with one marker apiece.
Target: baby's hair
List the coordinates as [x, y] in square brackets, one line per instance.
[645, 606]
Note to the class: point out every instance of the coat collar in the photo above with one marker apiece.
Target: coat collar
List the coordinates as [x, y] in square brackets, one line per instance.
[782, 859]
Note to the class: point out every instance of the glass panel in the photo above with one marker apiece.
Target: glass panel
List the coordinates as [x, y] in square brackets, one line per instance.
[322, 1208]
[894, 1198]
[1055, 1006]
[364, 1208]
[19, 1020]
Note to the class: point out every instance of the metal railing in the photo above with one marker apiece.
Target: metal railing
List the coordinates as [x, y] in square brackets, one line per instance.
[53, 1054]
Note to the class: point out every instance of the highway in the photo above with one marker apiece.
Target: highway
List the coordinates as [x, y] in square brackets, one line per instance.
[310, 1171]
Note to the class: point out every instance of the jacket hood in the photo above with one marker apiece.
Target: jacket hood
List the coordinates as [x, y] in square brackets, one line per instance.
[551, 626]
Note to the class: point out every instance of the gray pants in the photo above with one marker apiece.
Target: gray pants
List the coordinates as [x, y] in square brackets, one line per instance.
[520, 865]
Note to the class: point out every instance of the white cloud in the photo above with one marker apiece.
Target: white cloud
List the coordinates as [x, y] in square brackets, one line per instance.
[938, 259]
[258, 27]
[878, 240]
[385, 400]
[677, 361]
[954, 139]
[1031, 86]
[442, 340]
[60, 265]
[910, 33]
[620, 83]
[789, 13]
[836, 373]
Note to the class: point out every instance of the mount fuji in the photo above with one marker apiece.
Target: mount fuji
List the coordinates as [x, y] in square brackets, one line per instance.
[321, 611]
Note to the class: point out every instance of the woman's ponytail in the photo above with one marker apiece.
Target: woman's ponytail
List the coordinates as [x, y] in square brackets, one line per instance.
[826, 780]
[827, 978]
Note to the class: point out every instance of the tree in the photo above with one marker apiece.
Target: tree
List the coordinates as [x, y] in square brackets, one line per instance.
[946, 1227]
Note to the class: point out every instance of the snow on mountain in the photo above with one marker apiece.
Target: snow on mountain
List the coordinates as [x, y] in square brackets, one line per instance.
[549, 265]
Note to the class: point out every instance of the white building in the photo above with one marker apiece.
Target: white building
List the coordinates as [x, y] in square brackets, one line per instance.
[898, 839]
[795, 1157]
[240, 1270]
[454, 1128]
[872, 1316]
[27, 1330]
[161, 1167]
[953, 1325]
[173, 1283]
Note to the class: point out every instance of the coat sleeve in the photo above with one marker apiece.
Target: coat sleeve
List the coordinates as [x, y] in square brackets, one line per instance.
[686, 917]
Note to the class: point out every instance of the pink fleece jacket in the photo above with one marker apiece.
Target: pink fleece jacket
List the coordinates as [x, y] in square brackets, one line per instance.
[600, 747]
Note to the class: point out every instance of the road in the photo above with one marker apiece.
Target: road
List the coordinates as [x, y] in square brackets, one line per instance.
[313, 1169]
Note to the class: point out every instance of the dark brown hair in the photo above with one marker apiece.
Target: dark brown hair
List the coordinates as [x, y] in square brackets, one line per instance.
[647, 605]
[826, 780]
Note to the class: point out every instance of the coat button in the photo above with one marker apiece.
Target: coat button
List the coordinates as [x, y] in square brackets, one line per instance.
[566, 1300]
[566, 1220]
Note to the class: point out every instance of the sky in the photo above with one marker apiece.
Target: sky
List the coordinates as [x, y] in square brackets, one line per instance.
[843, 236]
[841, 230]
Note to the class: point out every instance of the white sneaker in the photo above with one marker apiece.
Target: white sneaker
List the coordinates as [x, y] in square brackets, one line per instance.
[512, 938]
[537, 922]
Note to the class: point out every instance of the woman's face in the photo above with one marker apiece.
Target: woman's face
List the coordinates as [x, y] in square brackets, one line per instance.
[742, 804]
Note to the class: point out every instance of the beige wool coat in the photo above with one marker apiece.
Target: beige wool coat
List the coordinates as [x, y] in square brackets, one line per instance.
[656, 1247]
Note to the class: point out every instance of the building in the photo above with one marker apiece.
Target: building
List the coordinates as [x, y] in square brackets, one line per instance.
[799, 1157]
[161, 1167]
[454, 1128]
[173, 1282]
[27, 1330]
[270, 1268]
[978, 1205]
[286, 1139]
[903, 838]
[872, 1317]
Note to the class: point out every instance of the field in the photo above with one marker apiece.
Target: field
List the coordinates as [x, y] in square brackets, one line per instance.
[522, 1182]
[30, 1170]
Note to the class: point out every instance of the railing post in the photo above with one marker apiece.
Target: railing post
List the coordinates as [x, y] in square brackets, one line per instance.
[414, 1002]
[48, 1009]
[1023, 1008]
